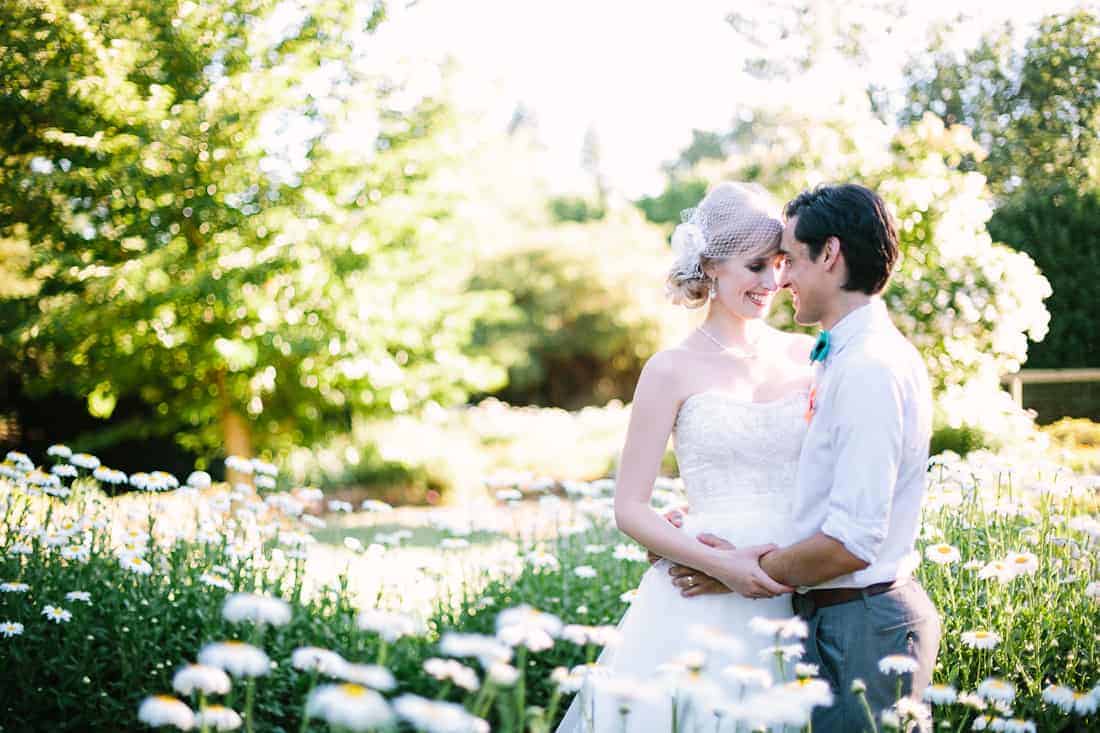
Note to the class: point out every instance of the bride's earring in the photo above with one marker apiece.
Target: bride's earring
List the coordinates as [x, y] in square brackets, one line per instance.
[713, 288]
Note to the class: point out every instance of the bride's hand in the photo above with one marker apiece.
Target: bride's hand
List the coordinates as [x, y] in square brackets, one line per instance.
[692, 582]
[740, 569]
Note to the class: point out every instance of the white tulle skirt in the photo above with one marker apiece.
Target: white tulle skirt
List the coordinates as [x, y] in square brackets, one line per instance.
[658, 629]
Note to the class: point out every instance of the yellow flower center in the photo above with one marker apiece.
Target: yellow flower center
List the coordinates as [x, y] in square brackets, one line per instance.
[353, 690]
[944, 550]
[166, 698]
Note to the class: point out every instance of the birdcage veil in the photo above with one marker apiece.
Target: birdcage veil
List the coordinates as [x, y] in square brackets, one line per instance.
[732, 219]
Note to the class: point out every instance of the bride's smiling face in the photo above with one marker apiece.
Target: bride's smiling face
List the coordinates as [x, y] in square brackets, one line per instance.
[747, 283]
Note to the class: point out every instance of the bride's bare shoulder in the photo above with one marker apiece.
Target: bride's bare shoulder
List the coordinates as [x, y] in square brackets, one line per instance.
[667, 368]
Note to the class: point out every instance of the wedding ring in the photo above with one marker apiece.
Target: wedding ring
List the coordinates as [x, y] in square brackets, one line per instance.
[691, 580]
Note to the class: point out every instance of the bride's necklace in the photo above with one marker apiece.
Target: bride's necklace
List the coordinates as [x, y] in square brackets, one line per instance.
[740, 353]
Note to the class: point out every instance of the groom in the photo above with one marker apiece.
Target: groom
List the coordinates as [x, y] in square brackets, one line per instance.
[862, 468]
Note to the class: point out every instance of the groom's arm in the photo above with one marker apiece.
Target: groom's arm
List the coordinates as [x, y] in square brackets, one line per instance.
[811, 561]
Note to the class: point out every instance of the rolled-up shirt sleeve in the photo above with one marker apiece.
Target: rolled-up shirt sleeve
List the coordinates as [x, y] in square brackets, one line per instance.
[867, 438]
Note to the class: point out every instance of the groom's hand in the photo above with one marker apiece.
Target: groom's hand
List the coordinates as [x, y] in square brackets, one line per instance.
[675, 517]
[740, 569]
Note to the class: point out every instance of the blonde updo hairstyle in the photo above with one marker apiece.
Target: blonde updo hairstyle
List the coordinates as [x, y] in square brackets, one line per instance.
[732, 219]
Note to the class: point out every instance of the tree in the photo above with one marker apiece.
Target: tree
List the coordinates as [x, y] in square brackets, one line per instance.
[1035, 113]
[231, 213]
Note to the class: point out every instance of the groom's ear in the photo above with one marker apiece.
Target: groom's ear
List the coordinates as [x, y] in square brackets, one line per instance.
[831, 253]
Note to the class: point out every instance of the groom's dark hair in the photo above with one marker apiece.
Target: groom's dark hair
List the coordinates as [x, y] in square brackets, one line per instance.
[858, 218]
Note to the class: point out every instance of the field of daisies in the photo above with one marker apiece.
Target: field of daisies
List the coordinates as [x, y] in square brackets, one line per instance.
[204, 606]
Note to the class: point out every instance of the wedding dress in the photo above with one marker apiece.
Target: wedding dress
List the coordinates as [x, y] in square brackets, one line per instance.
[738, 461]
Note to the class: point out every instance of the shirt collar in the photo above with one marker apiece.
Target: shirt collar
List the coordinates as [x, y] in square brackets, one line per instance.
[855, 323]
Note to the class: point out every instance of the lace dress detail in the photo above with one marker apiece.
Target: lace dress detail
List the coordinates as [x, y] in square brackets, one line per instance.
[739, 461]
[735, 455]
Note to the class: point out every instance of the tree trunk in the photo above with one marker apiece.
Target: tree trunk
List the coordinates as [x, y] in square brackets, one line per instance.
[236, 434]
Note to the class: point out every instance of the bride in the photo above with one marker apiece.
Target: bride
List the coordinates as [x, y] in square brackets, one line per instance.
[734, 394]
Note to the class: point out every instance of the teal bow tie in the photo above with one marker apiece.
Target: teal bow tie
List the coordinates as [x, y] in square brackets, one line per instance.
[821, 347]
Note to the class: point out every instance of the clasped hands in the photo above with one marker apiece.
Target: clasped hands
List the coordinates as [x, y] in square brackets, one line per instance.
[741, 572]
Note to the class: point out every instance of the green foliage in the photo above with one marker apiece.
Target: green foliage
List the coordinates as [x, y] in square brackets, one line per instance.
[1076, 443]
[1036, 114]
[587, 312]
[227, 218]
[1056, 226]
[679, 195]
[575, 209]
[961, 440]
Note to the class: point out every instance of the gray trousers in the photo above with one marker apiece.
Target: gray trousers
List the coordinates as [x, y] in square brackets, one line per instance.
[846, 642]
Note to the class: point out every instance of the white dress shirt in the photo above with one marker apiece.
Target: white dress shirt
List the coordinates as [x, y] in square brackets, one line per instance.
[861, 473]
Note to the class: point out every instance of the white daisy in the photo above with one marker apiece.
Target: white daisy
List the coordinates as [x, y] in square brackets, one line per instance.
[898, 664]
[455, 672]
[390, 625]
[373, 505]
[310, 658]
[10, 628]
[166, 710]
[258, 609]
[218, 717]
[137, 564]
[202, 678]
[940, 694]
[971, 700]
[1023, 563]
[942, 554]
[265, 468]
[57, 614]
[236, 658]
[997, 690]
[199, 480]
[1085, 703]
[64, 470]
[981, 639]
[633, 553]
[487, 649]
[371, 675]
[59, 450]
[1019, 725]
[997, 570]
[1059, 696]
[239, 464]
[503, 674]
[14, 587]
[350, 706]
[84, 460]
[437, 717]
[79, 595]
[216, 581]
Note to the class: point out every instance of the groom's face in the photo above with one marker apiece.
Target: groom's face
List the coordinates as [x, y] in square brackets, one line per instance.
[805, 278]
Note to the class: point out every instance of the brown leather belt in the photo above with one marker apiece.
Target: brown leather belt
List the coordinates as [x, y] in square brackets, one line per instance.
[806, 603]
